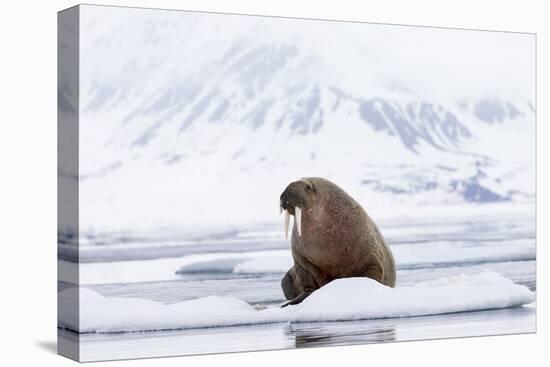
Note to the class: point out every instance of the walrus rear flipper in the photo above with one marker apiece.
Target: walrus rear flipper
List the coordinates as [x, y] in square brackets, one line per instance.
[374, 271]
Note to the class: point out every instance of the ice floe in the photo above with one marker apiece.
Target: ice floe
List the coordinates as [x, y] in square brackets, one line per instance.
[343, 299]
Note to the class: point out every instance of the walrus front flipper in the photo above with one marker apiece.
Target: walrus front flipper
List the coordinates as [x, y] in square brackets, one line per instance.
[299, 298]
[297, 284]
[287, 284]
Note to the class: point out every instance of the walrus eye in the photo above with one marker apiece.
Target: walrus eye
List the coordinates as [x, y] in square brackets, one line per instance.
[308, 187]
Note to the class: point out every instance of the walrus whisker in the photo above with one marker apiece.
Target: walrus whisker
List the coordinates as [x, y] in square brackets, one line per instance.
[298, 217]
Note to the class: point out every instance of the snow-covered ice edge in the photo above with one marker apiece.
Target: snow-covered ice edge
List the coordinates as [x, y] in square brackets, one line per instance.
[340, 300]
[278, 261]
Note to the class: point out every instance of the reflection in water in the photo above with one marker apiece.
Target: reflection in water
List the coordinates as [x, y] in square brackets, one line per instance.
[340, 333]
[299, 335]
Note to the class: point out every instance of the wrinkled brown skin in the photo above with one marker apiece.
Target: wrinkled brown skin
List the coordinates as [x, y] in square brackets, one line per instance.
[339, 240]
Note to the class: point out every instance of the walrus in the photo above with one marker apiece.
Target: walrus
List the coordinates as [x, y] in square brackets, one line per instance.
[332, 237]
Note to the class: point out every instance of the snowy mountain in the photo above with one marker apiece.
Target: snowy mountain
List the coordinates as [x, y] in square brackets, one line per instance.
[189, 118]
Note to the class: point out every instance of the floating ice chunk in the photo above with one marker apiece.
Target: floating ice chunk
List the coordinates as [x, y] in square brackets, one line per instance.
[261, 262]
[364, 298]
[274, 264]
[103, 315]
[224, 265]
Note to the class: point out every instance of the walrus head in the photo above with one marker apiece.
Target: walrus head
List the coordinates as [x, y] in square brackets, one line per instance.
[296, 198]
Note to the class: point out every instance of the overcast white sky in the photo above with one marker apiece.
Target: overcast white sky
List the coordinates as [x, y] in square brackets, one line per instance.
[457, 61]
[431, 61]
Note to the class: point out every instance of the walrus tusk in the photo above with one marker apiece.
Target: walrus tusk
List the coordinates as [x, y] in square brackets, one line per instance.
[287, 219]
[298, 217]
